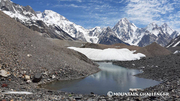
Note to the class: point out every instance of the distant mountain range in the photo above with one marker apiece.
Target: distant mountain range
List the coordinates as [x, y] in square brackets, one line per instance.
[54, 25]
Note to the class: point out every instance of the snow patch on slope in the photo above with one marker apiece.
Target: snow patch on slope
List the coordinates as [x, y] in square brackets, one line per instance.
[176, 44]
[16, 15]
[109, 54]
[176, 52]
[53, 18]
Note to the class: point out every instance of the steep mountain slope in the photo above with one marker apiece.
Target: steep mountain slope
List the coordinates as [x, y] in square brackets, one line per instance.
[76, 31]
[94, 34]
[129, 33]
[28, 17]
[174, 43]
[22, 49]
[48, 22]
[175, 34]
[54, 25]
[167, 30]
[147, 39]
[54, 19]
[125, 30]
[108, 37]
[161, 34]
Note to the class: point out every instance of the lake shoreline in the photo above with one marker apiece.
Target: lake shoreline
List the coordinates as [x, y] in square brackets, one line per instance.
[170, 84]
[111, 77]
[162, 68]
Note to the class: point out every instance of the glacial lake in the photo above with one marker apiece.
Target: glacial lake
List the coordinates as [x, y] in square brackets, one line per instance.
[110, 78]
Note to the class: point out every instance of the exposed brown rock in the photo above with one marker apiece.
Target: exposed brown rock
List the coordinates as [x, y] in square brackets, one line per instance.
[102, 46]
[150, 51]
[153, 50]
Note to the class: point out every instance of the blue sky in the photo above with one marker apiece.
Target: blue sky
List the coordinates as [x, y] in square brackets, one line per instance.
[103, 13]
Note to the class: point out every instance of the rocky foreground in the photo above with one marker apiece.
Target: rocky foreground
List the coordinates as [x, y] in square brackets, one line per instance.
[164, 68]
[28, 59]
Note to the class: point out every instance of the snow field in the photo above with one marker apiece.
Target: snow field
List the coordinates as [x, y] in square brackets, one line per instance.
[109, 54]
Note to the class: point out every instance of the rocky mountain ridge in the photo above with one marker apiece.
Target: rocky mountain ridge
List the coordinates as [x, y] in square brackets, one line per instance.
[54, 25]
[133, 35]
[174, 43]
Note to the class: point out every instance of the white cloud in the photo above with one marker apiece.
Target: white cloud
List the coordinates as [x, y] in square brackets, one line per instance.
[143, 12]
[73, 5]
[69, 5]
[140, 12]
[134, 0]
[70, 0]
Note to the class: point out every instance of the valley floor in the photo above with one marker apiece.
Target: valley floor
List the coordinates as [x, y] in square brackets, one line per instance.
[163, 68]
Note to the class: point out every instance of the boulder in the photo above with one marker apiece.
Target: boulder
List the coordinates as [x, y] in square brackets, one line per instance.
[53, 76]
[27, 77]
[4, 73]
[29, 55]
[37, 78]
[28, 81]
[4, 85]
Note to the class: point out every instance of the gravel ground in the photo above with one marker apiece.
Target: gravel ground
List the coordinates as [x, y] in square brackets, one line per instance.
[163, 68]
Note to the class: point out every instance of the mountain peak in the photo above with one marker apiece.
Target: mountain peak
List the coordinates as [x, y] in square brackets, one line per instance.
[167, 29]
[153, 24]
[28, 8]
[124, 21]
[52, 16]
[57, 24]
[5, 1]
[49, 11]
[124, 29]
[107, 32]
[6, 5]
[108, 28]
[165, 24]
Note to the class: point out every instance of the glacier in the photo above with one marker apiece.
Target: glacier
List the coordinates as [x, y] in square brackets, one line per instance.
[109, 54]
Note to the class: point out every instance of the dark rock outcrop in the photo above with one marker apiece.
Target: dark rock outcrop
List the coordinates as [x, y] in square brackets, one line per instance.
[108, 37]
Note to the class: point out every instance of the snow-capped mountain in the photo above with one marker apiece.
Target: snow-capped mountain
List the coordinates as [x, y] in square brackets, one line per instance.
[54, 25]
[49, 22]
[167, 30]
[17, 11]
[175, 34]
[109, 37]
[125, 30]
[54, 19]
[94, 34]
[154, 33]
[28, 17]
[129, 33]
